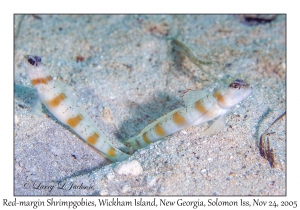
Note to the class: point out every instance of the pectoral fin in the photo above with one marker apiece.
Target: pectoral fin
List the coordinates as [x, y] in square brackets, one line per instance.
[36, 108]
[216, 127]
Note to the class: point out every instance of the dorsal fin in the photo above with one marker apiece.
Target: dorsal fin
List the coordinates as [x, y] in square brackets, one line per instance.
[191, 96]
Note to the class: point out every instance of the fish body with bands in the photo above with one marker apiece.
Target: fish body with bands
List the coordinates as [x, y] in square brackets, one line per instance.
[58, 103]
[199, 107]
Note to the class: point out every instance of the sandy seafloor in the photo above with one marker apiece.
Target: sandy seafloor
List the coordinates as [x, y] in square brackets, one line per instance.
[130, 77]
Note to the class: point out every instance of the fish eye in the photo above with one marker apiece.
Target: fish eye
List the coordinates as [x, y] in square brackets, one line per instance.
[235, 86]
[38, 59]
[31, 61]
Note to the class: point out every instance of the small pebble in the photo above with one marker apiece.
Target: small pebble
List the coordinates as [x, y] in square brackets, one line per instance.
[17, 120]
[203, 170]
[103, 192]
[151, 182]
[126, 168]
[183, 132]
[125, 188]
[110, 176]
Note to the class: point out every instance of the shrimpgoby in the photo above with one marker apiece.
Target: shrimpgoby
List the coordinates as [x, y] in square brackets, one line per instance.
[58, 103]
[199, 107]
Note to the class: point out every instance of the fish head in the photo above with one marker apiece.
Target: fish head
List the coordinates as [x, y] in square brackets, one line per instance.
[32, 60]
[237, 92]
[34, 67]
